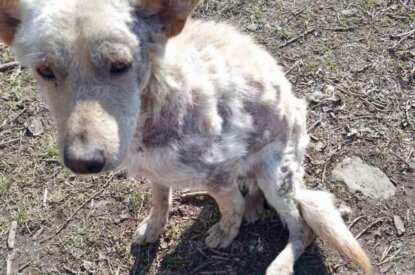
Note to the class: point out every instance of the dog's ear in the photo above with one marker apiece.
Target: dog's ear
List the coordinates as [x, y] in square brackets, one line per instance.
[172, 14]
[9, 20]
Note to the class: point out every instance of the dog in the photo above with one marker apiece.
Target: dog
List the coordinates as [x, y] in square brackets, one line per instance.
[182, 102]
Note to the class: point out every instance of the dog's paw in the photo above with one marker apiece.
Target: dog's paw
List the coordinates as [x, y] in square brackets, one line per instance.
[148, 231]
[219, 237]
[253, 210]
[280, 269]
[282, 265]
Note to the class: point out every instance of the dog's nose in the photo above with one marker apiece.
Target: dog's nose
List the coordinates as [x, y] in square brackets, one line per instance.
[89, 163]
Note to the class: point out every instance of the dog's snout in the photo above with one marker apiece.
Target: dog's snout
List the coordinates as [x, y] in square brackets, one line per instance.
[87, 163]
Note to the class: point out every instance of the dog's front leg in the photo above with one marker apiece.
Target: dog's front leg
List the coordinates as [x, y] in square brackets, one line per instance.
[231, 205]
[151, 227]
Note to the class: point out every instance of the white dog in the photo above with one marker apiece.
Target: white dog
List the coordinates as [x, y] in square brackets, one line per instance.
[182, 102]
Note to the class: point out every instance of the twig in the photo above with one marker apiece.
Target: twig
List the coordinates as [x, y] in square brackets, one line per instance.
[407, 108]
[340, 29]
[199, 268]
[8, 66]
[377, 106]
[23, 267]
[393, 256]
[323, 175]
[11, 242]
[355, 221]
[368, 227]
[9, 141]
[292, 40]
[13, 119]
[364, 68]
[402, 37]
[52, 161]
[68, 220]
[399, 157]
[220, 253]
[201, 252]
[216, 272]
[298, 12]
[385, 253]
[313, 137]
[70, 271]
[194, 194]
[292, 67]
[368, 117]
[45, 197]
[409, 155]
[404, 34]
[9, 263]
[315, 124]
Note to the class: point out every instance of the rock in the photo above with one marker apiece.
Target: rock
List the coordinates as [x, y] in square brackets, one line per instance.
[399, 225]
[316, 97]
[393, 7]
[349, 12]
[87, 266]
[361, 177]
[328, 95]
[252, 27]
[380, 2]
[35, 128]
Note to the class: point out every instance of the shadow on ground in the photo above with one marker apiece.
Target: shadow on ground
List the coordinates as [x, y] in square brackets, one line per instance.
[250, 253]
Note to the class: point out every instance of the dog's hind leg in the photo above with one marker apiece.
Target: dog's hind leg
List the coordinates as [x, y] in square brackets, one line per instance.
[231, 206]
[151, 227]
[277, 182]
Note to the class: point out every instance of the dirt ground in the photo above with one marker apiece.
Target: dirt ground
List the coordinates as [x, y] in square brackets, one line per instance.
[355, 51]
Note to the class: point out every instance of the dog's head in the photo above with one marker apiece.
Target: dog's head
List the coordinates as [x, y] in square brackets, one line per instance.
[91, 60]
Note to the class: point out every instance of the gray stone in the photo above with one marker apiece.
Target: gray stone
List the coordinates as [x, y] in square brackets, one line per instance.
[349, 12]
[399, 225]
[35, 128]
[361, 177]
[252, 27]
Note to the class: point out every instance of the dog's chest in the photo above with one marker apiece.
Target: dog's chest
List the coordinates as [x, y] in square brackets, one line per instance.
[190, 161]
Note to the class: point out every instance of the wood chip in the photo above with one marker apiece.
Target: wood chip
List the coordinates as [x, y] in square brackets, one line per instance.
[11, 241]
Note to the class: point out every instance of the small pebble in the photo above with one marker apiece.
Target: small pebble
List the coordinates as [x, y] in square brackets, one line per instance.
[399, 225]
[349, 12]
[252, 27]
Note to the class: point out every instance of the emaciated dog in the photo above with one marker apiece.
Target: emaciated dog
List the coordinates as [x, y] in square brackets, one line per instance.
[184, 103]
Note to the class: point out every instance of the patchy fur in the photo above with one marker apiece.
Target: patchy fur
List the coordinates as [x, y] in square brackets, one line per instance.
[137, 82]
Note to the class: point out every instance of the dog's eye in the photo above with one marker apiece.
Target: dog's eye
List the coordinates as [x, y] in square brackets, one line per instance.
[119, 67]
[45, 72]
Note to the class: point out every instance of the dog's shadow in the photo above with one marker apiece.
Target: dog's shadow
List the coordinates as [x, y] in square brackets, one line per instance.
[251, 252]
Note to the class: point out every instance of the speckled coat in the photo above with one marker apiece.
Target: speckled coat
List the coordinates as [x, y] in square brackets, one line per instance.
[185, 103]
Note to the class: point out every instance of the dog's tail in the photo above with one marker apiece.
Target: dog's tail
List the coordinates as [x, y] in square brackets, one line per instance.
[321, 215]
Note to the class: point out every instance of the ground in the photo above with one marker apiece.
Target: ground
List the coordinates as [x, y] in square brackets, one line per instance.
[349, 58]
